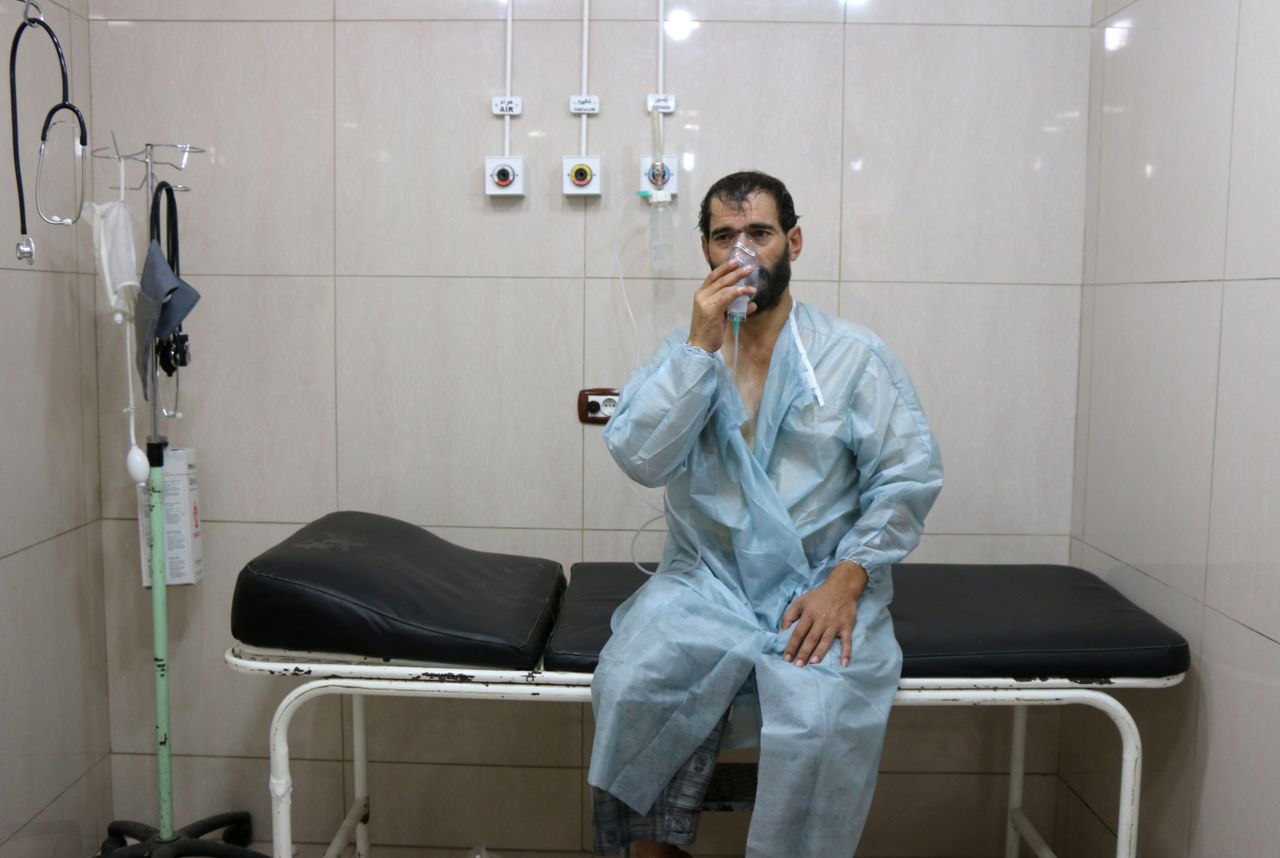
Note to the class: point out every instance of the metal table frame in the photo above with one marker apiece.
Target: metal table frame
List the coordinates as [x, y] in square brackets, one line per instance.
[330, 674]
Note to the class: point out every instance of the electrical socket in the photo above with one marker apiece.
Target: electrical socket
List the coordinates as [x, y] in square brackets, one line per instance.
[597, 404]
[504, 176]
[672, 163]
[581, 175]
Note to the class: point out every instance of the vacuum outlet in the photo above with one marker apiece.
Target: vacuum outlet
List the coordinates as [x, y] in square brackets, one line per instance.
[581, 175]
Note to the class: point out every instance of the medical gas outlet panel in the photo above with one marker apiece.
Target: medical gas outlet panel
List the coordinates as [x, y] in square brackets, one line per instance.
[581, 175]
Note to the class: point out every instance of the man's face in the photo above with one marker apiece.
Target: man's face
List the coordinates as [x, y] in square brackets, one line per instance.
[755, 223]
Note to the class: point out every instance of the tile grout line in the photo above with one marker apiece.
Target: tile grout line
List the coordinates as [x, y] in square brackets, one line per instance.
[337, 446]
[844, 139]
[12, 838]
[52, 538]
[1222, 308]
[1197, 722]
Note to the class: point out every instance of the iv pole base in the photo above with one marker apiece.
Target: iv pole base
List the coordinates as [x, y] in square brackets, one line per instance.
[186, 840]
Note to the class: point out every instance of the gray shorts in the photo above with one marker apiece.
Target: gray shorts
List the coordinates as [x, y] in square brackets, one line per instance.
[674, 816]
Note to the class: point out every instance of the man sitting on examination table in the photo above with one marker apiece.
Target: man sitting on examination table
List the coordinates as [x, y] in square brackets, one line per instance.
[794, 481]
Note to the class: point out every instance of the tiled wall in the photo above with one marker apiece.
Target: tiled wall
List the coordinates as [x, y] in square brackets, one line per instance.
[377, 334]
[1177, 473]
[55, 775]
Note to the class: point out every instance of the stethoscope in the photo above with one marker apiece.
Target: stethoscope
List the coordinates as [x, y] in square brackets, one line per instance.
[27, 247]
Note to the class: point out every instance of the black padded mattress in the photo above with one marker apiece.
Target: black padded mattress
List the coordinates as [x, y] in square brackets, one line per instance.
[360, 584]
[952, 620]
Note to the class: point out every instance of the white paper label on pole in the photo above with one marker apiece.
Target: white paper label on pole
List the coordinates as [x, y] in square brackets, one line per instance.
[584, 104]
[507, 105]
[661, 102]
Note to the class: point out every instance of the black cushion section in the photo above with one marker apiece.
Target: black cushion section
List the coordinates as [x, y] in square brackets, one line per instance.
[1026, 622]
[952, 620]
[583, 628]
[360, 584]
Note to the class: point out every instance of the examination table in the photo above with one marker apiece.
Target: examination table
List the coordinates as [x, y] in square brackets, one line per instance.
[362, 604]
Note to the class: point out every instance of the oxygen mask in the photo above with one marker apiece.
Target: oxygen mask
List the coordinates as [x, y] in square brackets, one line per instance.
[744, 256]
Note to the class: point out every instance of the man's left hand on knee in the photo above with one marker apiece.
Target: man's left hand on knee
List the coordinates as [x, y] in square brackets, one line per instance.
[825, 614]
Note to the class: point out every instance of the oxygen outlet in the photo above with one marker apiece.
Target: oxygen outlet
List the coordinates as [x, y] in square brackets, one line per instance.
[660, 176]
[582, 175]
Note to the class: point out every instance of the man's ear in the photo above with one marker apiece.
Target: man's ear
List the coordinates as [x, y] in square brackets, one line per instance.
[795, 242]
[705, 254]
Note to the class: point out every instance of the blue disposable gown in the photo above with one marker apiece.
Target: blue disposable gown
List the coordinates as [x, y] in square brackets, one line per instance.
[843, 467]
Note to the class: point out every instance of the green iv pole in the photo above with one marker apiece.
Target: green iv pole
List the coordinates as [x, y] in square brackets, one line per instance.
[160, 617]
[164, 841]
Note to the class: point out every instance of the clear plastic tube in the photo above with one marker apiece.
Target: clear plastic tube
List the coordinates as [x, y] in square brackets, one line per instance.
[737, 323]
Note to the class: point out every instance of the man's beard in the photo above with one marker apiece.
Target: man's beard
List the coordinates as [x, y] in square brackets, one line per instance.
[773, 283]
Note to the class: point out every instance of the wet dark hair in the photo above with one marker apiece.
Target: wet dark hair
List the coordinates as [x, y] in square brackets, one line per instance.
[736, 187]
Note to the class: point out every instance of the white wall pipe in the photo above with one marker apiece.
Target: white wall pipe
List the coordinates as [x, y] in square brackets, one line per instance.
[662, 59]
[586, 52]
[506, 119]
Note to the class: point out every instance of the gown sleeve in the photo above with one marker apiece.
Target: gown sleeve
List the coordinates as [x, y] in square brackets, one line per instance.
[664, 406]
[899, 466]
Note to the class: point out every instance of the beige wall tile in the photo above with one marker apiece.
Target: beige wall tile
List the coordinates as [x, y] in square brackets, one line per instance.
[73, 824]
[990, 548]
[473, 383]
[78, 61]
[87, 366]
[960, 740]
[968, 166]
[759, 10]
[974, 352]
[204, 786]
[715, 132]
[41, 465]
[965, 813]
[51, 659]
[1089, 761]
[474, 732]
[1039, 12]
[76, 7]
[411, 199]
[1151, 428]
[1166, 603]
[1237, 759]
[1080, 833]
[212, 10]
[1093, 169]
[1084, 394]
[491, 10]
[1114, 6]
[1242, 580]
[267, 448]
[614, 546]
[199, 634]
[262, 195]
[462, 806]
[278, 331]
[1166, 140]
[1255, 173]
